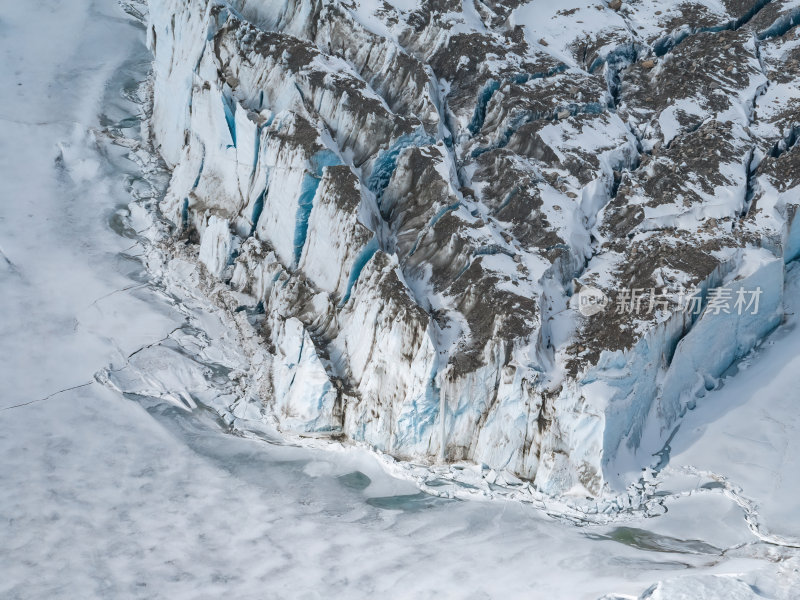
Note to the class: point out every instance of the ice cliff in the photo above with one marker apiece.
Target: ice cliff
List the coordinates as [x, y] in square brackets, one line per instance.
[405, 202]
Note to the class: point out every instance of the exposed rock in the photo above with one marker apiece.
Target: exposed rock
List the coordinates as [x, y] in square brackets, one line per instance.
[417, 199]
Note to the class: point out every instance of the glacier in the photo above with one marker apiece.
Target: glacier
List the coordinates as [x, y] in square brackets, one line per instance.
[421, 192]
[269, 317]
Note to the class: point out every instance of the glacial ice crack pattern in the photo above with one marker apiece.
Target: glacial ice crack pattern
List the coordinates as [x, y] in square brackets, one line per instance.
[344, 398]
[412, 201]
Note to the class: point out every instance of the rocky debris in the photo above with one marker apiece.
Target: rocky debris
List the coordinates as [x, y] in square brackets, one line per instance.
[710, 75]
[414, 201]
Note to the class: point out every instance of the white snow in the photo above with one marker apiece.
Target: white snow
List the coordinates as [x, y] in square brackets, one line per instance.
[147, 495]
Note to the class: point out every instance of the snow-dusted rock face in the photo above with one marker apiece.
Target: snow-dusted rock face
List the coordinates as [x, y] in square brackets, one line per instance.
[411, 202]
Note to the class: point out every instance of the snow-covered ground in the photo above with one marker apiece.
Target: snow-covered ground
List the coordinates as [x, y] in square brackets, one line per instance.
[111, 496]
[746, 432]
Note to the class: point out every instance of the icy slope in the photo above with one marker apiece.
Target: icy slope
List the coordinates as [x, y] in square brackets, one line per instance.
[408, 200]
[106, 496]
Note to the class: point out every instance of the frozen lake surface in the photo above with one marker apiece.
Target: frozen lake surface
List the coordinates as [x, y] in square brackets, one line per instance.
[105, 495]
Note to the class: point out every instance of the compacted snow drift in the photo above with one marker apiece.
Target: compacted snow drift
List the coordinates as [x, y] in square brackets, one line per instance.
[523, 235]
